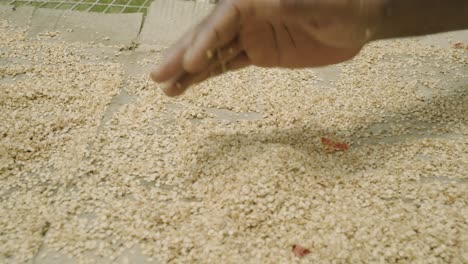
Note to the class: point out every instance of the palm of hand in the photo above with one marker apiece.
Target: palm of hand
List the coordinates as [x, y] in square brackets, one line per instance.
[291, 46]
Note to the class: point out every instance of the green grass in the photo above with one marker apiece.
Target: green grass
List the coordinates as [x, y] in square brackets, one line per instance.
[98, 8]
[114, 9]
[21, 4]
[131, 9]
[66, 6]
[50, 5]
[138, 2]
[82, 7]
[37, 4]
[121, 2]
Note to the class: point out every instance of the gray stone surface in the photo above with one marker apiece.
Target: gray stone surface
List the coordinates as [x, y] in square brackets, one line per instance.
[81, 26]
[167, 20]
[129, 256]
[21, 16]
[446, 39]
[105, 28]
[44, 20]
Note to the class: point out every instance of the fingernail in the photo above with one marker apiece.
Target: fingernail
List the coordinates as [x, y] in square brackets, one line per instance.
[188, 63]
[155, 74]
[163, 86]
[173, 90]
[166, 88]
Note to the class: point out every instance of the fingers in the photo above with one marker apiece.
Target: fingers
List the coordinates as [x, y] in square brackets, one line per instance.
[220, 28]
[228, 52]
[172, 63]
[194, 54]
[219, 57]
[195, 51]
[178, 87]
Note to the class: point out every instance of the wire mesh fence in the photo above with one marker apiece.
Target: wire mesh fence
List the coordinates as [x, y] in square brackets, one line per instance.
[100, 6]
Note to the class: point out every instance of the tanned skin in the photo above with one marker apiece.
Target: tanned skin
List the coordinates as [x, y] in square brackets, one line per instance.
[297, 34]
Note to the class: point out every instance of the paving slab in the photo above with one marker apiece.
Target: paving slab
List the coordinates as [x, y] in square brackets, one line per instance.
[44, 20]
[167, 20]
[20, 16]
[134, 255]
[105, 28]
[80, 26]
[446, 40]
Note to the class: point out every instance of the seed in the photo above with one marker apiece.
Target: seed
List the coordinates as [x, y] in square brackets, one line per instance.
[234, 169]
[209, 54]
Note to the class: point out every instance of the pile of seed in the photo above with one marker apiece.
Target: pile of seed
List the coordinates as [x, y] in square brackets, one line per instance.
[234, 171]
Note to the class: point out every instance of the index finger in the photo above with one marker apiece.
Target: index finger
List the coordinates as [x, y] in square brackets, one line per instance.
[220, 28]
[172, 64]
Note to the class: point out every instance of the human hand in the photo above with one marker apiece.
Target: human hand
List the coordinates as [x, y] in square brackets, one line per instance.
[268, 33]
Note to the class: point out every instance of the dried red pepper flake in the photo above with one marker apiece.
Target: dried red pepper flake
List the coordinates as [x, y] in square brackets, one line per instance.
[331, 145]
[300, 251]
[458, 45]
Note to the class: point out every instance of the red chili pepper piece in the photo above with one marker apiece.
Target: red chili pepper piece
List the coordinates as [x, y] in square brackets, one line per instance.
[331, 145]
[458, 45]
[300, 251]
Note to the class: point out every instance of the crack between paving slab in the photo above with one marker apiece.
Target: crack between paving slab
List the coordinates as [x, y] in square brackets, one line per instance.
[117, 101]
[33, 13]
[44, 231]
[56, 22]
[143, 19]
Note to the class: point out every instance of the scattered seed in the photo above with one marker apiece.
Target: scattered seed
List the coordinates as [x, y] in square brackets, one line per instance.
[458, 45]
[230, 171]
[209, 54]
